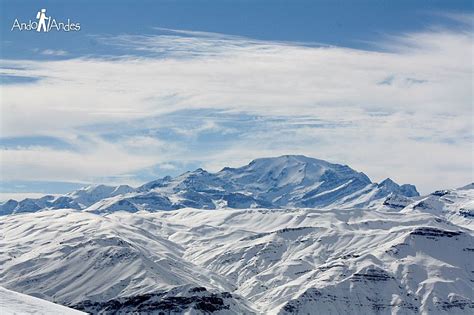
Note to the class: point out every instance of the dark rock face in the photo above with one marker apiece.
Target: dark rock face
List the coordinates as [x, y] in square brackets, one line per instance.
[198, 299]
[315, 301]
[311, 294]
[396, 201]
[456, 302]
[440, 193]
[371, 274]
[434, 232]
[467, 213]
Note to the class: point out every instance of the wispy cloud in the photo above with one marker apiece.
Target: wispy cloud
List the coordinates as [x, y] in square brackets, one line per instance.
[53, 52]
[402, 111]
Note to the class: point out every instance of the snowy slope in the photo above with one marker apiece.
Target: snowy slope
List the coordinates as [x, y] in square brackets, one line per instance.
[75, 257]
[287, 235]
[264, 261]
[14, 303]
[287, 181]
[455, 205]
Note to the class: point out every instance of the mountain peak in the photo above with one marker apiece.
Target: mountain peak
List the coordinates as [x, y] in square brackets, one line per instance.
[271, 182]
[406, 190]
[389, 183]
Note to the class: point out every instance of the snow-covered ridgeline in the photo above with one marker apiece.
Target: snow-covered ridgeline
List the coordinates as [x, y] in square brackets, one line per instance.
[259, 261]
[288, 181]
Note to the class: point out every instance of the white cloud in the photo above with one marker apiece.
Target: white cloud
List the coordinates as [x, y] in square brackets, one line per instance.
[92, 158]
[54, 52]
[39, 163]
[409, 105]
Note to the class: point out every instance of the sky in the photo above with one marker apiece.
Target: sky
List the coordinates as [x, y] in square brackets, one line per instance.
[152, 88]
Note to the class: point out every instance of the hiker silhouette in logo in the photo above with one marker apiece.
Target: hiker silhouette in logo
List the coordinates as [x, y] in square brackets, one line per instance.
[41, 15]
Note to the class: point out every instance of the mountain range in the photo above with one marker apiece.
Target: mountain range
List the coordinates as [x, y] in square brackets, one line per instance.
[284, 182]
[285, 235]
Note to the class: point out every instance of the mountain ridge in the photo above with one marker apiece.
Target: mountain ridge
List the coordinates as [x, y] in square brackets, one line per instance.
[339, 244]
[249, 261]
[287, 181]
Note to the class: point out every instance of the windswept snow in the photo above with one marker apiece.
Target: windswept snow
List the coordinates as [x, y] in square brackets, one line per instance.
[14, 303]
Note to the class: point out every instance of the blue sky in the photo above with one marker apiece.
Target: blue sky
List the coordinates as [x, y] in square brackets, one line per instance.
[151, 88]
[342, 23]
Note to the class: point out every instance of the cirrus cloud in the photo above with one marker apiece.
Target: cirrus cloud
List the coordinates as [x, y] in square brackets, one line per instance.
[403, 109]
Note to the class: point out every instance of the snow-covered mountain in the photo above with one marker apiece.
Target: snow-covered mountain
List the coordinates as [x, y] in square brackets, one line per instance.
[286, 181]
[286, 235]
[263, 261]
[455, 205]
